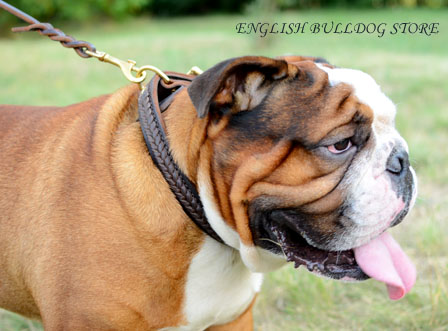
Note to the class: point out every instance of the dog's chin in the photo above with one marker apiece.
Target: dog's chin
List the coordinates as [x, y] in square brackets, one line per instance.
[281, 239]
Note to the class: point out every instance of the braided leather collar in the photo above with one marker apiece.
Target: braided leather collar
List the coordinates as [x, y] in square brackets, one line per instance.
[153, 128]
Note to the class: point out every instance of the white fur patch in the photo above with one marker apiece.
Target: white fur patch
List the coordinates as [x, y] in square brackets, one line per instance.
[229, 235]
[373, 202]
[219, 287]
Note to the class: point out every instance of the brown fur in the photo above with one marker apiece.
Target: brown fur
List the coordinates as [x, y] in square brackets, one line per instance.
[88, 223]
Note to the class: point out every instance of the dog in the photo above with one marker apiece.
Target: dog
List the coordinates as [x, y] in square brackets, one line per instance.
[293, 158]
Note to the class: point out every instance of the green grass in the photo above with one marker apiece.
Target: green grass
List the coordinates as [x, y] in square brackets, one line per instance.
[412, 70]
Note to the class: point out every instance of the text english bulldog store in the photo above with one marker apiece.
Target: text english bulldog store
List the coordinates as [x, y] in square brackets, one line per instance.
[380, 29]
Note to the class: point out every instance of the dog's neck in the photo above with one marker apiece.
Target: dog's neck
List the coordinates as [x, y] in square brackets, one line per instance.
[186, 133]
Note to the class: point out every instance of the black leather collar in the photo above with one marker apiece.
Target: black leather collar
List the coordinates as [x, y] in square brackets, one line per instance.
[153, 101]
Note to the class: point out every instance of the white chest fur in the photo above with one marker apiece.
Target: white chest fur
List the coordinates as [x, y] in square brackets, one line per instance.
[219, 287]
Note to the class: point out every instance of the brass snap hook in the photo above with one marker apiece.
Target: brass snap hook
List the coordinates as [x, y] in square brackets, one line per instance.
[128, 67]
[142, 71]
[136, 74]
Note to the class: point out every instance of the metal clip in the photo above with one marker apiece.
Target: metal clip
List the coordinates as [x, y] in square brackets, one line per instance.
[195, 71]
[141, 71]
[127, 68]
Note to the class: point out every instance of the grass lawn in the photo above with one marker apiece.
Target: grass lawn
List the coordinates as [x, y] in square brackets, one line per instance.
[412, 70]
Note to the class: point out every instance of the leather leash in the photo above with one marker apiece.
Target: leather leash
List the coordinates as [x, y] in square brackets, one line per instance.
[85, 49]
[155, 99]
[47, 29]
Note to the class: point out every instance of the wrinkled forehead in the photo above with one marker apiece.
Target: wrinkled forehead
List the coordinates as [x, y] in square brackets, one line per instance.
[367, 91]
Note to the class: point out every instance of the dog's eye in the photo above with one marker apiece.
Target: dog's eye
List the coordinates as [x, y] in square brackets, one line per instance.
[341, 146]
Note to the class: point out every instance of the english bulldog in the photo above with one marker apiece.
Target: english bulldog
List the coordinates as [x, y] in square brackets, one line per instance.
[294, 160]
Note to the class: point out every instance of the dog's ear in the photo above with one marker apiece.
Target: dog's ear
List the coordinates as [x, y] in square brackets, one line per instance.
[235, 84]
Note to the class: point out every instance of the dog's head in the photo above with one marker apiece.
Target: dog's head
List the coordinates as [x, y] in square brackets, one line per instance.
[301, 159]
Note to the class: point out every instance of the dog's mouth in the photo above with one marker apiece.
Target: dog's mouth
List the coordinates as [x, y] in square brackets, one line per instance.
[381, 258]
[339, 265]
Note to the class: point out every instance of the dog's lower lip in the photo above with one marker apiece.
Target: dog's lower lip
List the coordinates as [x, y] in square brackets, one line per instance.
[338, 265]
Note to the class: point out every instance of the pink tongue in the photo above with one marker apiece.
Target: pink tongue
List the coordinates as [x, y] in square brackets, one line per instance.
[384, 260]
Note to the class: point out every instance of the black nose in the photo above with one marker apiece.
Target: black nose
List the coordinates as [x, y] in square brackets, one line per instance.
[398, 161]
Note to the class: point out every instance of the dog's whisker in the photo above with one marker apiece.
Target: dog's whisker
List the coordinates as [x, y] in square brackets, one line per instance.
[271, 241]
[275, 243]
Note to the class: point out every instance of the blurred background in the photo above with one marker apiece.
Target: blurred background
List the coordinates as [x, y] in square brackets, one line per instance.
[177, 34]
[83, 10]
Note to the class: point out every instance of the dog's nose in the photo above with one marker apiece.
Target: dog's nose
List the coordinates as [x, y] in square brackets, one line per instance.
[398, 161]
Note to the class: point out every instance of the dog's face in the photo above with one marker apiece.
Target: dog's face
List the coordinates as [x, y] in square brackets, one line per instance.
[301, 159]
